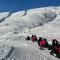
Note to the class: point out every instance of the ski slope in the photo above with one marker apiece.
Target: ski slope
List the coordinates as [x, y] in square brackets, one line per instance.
[16, 26]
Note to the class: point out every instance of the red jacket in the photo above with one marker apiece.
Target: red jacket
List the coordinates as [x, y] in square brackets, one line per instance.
[57, 49]
[42, 42]
[33, 38]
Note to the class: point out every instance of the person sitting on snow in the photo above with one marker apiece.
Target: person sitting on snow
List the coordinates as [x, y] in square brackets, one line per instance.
[34, 38]
[46, 43]
[42, 42]
[55, 48]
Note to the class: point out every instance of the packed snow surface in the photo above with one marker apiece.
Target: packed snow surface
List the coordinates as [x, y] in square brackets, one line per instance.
[14, 27]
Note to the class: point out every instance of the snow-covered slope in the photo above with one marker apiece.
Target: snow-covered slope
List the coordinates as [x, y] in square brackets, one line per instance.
[30, 19]
[43, 22]
[4, 15]
[50, 30]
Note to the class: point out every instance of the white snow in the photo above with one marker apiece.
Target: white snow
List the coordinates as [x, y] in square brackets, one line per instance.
[4, 14]
[15, 27]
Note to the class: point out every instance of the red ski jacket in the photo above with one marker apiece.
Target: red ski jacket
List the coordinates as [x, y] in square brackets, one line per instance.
[57, 49]
[42, 42]
[33, 38]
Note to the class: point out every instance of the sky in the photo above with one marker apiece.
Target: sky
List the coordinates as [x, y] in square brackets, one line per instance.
[19, 5]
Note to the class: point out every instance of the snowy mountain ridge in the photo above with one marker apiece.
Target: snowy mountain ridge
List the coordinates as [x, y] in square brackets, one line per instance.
[46, 14]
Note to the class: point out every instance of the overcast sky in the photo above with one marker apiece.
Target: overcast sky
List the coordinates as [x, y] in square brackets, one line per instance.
[17, 5]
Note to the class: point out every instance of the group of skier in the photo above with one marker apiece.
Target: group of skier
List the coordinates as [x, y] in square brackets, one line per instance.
[43, 43]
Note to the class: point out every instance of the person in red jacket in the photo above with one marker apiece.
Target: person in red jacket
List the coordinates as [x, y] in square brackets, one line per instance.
[34, 38]
[42, 42]
[39, 41]
[55, 48]
[45, 43]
